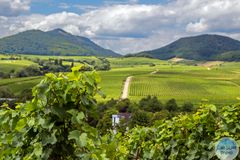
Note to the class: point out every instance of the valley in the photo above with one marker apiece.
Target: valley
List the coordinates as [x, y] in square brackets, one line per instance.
[164, 79]
[119, 80]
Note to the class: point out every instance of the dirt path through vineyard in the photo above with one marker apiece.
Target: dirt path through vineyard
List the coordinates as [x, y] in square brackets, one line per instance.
[126, 88]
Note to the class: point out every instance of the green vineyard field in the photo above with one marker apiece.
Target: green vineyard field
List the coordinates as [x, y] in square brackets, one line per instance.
[216, 86]
[164, 79]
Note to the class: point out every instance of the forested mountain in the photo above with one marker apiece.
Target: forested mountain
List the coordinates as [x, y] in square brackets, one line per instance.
[203, 47]
[55, 42]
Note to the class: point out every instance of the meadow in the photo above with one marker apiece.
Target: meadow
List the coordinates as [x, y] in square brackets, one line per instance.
[219, 84]
[7, 66]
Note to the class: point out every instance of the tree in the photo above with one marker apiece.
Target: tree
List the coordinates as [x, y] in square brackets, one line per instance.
[140, 118]
[56, 62]
[105, 123]
[123, 105]
[171, 105]
[32, 70]
[105, 64]
[72, 64]
[162, 115]
[102, 107]
[187, 107]
[60, 62]
[150, 104]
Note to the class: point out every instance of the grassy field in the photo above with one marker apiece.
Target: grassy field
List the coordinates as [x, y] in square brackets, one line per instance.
[134, 62]
[218, 84]
[8, 65]
[17, 85]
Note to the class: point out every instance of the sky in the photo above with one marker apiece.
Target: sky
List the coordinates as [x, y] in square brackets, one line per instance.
[124, 26]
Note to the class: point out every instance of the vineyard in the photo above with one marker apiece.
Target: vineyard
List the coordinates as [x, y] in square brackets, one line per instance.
[54, 125]
[164, 79]
[218, 86]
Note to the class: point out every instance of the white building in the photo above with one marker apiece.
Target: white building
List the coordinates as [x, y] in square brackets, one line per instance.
[116, 119]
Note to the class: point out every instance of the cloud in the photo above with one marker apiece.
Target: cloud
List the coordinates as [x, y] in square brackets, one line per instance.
[200, 26]
[134, 27]
[14, 7]
[126, 21]
[85, 7]
[80, 7]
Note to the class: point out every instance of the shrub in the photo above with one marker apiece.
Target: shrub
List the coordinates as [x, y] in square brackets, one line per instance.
[6, 93]
[171, 105]
[140, 118]
[187, 107]
[150, 104]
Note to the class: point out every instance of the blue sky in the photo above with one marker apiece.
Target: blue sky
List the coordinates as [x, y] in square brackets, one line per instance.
[53, 6]
[125, 26]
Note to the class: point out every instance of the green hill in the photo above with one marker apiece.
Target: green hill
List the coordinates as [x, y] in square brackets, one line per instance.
[55, 42]
[203, 47]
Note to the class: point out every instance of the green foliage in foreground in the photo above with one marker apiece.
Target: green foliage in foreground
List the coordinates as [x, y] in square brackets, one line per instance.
[53, 123]
[54, 126]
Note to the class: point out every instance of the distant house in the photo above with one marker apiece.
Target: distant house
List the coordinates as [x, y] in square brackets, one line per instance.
[8, 99]
[116, 119]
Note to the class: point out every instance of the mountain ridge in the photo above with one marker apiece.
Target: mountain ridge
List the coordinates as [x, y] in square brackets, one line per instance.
[200, 47]
[54, 42]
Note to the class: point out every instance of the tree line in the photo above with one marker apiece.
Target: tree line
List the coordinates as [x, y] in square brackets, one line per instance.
[43, 66]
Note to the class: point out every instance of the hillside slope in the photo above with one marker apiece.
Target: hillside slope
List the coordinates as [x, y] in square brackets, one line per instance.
[203, 47]
[55, 42]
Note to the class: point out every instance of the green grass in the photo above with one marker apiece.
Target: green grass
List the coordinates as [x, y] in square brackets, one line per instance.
[17, 85]
[134, 62]
[8, 65]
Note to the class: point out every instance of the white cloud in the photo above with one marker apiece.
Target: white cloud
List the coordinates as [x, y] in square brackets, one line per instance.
[135, 27]
[73, 29]
[80, 7]
[85, 7]
[133, 45]
[200, 26]
[14, 7]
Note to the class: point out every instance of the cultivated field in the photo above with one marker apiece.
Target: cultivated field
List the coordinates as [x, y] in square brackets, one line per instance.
[190, 83]
[164, 79]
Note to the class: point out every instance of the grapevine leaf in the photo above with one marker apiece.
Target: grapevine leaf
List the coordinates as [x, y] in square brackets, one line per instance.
[74, 135]
[83, 139]
[20, 124]
[37, 149]
[213, 108]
